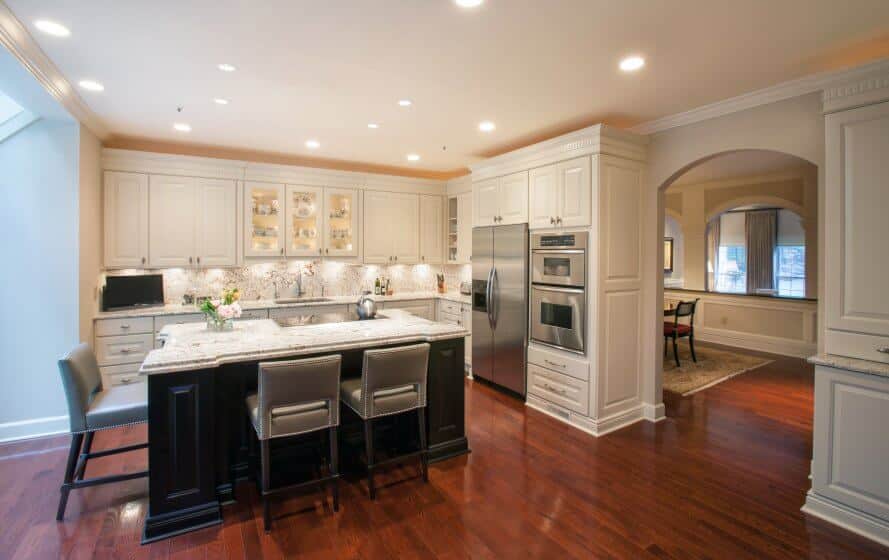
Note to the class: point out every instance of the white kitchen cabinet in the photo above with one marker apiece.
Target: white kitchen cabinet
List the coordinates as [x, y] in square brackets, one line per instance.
[501, 201]
[560, 195]
[126, 220]
[341, 226]
[391, 228]
[464, 228]
[191, 222]
[216, 231]
[421, 308]
[263, 219]
[431, 229]
[172, 212]
[304, 222]
[856, 230]
[543, 192]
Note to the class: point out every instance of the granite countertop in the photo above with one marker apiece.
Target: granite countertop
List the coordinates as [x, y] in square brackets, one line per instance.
[178, 309]
[191, 346]
[852, 364]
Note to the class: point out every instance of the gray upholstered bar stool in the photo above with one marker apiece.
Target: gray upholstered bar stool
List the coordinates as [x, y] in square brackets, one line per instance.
[91, 408]
[393, 381]
[296, 397]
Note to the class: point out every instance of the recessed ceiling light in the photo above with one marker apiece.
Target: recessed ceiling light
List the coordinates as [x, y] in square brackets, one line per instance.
[52, 28]
[221, 101]
[226, 67]
[312, 144]
[486, 126]
[405, 102]
[91, 85]
[373, 125]
[182, 127]
[468, 3]
[632, 63]
[413, 157]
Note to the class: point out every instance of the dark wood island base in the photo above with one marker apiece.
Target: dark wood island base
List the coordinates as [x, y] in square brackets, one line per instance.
[198, 436]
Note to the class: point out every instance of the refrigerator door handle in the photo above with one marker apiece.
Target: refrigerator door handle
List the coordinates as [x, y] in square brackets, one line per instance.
[495, 299]
[489, 295]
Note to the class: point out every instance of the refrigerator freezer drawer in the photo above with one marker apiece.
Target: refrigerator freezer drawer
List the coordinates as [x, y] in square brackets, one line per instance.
[562, 390]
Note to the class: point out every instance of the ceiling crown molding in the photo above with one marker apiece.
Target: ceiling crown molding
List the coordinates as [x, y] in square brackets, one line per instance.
[15, 37]
[823, 81]
[864, 91]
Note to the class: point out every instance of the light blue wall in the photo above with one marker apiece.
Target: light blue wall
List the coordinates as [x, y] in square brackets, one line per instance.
[39, 281]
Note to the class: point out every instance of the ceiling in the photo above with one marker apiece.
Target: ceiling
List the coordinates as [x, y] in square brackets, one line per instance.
[324, 69]
[745, 163]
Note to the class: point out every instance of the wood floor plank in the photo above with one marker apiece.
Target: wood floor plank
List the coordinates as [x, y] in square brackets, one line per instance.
[724, 476]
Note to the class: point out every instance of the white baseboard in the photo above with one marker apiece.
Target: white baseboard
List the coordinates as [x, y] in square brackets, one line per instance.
[848, 518]
[594, 427]
[37, 427]
[780, 346]
[654, 412]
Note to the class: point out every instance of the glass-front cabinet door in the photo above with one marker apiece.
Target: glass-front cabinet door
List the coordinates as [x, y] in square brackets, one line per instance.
[305, 219]
[264, 219]
[340, 222]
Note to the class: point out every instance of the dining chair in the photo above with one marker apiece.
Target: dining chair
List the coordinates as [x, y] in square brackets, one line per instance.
[92, 407]
[296, 397]
[393, 381]
[676, 330]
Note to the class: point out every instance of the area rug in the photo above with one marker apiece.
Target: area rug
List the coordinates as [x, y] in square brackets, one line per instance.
[714, 366]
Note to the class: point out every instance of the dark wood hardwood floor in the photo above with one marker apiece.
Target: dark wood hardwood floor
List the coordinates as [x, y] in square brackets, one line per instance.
[723, 477]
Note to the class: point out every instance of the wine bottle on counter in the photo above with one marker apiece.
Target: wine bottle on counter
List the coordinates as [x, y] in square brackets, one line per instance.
[377, 286]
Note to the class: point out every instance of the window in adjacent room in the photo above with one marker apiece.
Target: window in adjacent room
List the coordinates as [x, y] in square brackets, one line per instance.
[731, 267]
[790, 256]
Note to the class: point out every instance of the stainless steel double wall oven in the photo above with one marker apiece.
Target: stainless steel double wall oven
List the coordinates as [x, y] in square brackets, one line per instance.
[558, 289]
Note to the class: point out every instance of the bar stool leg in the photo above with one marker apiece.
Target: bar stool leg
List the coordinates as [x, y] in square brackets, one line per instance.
[369, 449]
[334, 468]
[266, 512]
[76, 441]
[81, 462]
[424, 459]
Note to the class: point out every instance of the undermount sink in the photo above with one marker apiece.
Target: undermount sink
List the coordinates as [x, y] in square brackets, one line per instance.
[302, 300]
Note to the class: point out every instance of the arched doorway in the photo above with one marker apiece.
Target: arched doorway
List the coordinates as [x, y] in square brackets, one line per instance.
[718, 169]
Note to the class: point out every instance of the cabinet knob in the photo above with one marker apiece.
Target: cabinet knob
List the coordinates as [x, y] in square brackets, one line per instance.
[327, 251]
[143, 260]
[189, 260]
[559, 220]
[124, 327]
[282, 250]
[320, 250]
[396, 258]
[883, 349]
[199, 260]
[552, 220]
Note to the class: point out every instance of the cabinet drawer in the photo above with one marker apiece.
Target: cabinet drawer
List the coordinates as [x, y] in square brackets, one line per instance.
[447, 306]
[129, 325]
[856, 345]
[161, 322]
[558, 361]
[127, 349]
[450, 318]
[563, 390]
[250, 314]
[122, 375]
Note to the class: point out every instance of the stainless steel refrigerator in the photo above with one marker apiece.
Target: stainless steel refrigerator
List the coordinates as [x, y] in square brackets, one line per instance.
[500, 305]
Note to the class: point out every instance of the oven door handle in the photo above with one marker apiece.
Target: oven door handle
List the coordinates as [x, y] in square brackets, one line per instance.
[556, 289]
[559, 251]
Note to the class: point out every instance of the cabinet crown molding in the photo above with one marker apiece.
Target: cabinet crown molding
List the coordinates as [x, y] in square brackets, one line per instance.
[596, 139]
[135, 161]
[863, 91]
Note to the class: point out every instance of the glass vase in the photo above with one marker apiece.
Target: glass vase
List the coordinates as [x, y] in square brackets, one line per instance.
[218, 324]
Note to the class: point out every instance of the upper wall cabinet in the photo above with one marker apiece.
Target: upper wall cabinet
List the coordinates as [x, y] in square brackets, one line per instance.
[263, 220]
[318, 222]
[459, 229]
[305, 221]
[856, 259]
[126, 220]
[560, 195]
[341, 222]
[501, 201]
[431, 229]
[391, 225]
[191, 222]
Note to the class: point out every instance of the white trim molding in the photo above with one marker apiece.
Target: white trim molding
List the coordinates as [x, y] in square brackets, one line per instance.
[33, 428]
[848, 518]
[596, 139]
[589, 425]
[15, 37]
[824, 81]
[865, 90]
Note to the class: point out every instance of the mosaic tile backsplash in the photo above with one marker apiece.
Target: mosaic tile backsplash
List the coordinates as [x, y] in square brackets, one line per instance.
[257, 281]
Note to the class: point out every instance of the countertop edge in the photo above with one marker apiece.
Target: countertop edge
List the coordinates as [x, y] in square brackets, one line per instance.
[878, 369]
[280, 353]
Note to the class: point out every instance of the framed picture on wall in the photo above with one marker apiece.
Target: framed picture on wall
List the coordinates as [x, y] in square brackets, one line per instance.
[668, 254]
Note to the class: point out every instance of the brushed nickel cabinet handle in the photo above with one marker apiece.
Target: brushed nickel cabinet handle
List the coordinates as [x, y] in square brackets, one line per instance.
[124, 327]
[189, 260]
[143, 260]
[199, 260]
[554, 364]
[883, 349]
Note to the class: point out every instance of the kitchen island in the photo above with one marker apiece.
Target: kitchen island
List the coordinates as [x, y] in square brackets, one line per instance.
[197, 382]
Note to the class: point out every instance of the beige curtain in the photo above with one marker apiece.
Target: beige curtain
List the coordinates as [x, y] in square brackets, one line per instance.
[762, 236]
[712, 253]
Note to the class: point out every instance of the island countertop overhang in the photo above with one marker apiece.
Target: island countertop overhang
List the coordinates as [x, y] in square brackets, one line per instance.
[191, 346]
